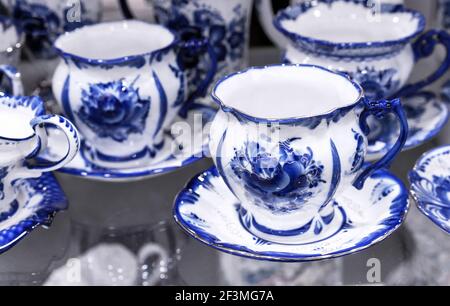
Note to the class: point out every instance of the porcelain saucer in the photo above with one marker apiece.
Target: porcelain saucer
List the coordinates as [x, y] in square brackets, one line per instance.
[426, 114]
[190, 147]
[38, 201]
[208, 211]
[430, 186]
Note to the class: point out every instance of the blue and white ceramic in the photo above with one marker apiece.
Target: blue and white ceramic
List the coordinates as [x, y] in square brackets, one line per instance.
[266, 16]
[11, 41]
[285, 161]
[37, 202]
[430, 186]
[225, 24]
[185, 142]
[378, 49]
[426, 114]
[124, 94]
[22, 138]
[44, 20]
[208, 211]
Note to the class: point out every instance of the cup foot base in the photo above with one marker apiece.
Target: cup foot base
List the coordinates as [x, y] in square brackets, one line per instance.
[318, 229]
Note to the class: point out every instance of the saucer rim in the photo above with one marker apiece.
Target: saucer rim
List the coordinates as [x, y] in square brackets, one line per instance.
[290, 257]
[150, 171]
[420, 204]
[43, 216]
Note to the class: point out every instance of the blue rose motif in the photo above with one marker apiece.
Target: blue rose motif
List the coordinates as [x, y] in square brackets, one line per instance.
[377, 84]
[282, 181]
[442, 188]
[40, 24]
[114, 110]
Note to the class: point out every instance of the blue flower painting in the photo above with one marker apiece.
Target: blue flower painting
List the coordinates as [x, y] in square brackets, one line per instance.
[283, 181]
[114, 110]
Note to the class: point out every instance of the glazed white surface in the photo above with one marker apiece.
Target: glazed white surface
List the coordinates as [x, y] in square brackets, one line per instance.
[112, 40]
[283, 92]
[215, 212]
[342, 22]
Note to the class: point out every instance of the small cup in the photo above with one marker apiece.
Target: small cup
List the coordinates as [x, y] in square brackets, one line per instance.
[123, 95]
[287, 139]
[11, 42]
[22, 138]
[377, 45]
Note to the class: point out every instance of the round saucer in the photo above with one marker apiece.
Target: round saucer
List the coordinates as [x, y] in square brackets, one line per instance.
[430, 186]
[190, 147]
[208, 211]
[426, 114]
[38, 201]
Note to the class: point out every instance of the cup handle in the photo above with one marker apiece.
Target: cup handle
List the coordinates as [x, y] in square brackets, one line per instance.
[148, 250]
[424, 47]
[125, 8]
[14, 78]
[38, 124]
[195, 47]
[379, 109]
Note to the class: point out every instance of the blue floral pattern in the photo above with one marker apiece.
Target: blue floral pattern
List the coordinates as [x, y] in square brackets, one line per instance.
[226, 39]
[114, 110]
[430, 186]
[283, 181]
[43, 25]
[358, 158]
[40, 24]
[377, 84]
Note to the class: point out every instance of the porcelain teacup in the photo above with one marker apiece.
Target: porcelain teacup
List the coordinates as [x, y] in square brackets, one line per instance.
[266, 16]
[287, 139]
[123, 91]
[377, 46]
[11, 41]
[22, 138]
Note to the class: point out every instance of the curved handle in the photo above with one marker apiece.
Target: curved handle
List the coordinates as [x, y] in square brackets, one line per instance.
[38, 124]
[153, 249]
[266, 16]
[380, 109]
[125, 8]
[424, 47]
[195, 47]
[14, 79]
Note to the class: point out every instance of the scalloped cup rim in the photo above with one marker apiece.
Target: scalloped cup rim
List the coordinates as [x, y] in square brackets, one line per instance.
[115, 59]
[295, 37]
[283, 120]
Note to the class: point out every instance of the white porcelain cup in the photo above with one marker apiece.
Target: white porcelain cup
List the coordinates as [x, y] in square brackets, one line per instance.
[266, 16]
[287, 139]
[123, 90]
[377, 49]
